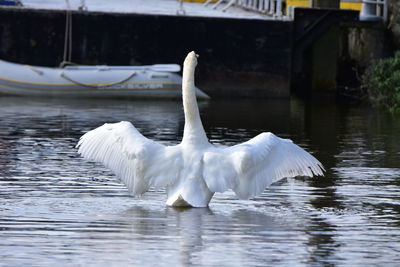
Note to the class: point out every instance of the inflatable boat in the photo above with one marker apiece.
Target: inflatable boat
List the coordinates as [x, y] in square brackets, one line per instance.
[152, 81]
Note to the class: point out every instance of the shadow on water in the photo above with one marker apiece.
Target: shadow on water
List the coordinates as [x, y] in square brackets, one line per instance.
[56, 208]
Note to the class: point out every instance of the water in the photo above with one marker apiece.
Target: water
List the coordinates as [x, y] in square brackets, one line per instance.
[56, 209]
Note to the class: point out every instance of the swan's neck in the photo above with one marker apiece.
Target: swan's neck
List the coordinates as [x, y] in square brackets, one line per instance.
[193, 132]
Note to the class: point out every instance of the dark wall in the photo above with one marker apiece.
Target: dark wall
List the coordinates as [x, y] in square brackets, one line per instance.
[317, 59]
[394, 21]
[237, 57]
[326, 3]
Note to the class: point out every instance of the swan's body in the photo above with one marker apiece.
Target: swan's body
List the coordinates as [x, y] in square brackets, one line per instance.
[193, 170]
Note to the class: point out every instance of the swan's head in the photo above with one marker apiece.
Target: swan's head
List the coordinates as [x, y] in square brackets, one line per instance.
[191, 59]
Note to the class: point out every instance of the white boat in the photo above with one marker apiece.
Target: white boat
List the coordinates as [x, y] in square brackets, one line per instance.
[152, 81]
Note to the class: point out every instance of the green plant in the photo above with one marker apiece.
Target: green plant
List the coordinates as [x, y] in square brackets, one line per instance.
[382, 80]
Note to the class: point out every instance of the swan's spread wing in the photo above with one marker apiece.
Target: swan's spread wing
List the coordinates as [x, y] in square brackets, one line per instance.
[137, 161]
[249, 167]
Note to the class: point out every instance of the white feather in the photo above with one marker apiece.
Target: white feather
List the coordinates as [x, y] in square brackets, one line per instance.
[193, 170]
[256, 164]
[138, 162]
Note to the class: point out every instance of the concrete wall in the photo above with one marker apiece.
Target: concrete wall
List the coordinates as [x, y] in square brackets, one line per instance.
[394, 21]
[325, 59]
[317, 48]
[368, 42]
[237, 57]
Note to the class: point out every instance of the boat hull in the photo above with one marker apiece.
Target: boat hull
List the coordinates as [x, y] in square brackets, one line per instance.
[100, 81]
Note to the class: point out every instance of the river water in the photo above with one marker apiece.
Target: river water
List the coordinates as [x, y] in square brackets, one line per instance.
[57, 209]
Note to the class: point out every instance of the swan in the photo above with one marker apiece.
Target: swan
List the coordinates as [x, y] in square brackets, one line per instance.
[192, 171]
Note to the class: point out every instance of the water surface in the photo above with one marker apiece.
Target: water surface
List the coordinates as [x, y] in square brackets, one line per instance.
[57, 209]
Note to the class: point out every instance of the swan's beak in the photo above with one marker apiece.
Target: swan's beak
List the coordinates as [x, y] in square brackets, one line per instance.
[197, 55]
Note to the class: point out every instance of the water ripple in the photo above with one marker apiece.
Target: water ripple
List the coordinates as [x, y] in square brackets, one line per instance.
[57, 209]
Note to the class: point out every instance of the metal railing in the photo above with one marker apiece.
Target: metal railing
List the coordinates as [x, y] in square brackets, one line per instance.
[374, 10]
[270, 7]
[371, 9]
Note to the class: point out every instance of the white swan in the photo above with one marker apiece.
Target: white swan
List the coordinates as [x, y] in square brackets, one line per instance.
[193, 170]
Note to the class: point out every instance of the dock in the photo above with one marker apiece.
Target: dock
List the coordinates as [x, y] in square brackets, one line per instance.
[244, 52]
[149, 7]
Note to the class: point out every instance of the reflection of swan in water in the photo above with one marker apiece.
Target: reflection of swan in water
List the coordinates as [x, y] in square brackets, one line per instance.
[193, 170]
[197, 235]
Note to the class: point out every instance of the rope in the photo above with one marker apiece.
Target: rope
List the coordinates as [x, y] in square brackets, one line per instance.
[68, 35]
[39, 72]
[67, 63]
[63, 75]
